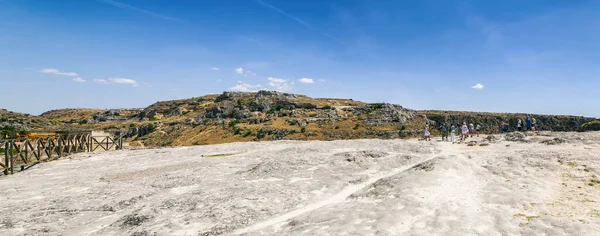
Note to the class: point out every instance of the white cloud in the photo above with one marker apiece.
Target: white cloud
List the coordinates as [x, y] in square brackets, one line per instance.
[120, 81]
[244, 72]
[79, 80]
[57, 72]
[123, 81]
[478, 86]
[279, 84]
[307, 81]
[244, 87]
[100, 81]
[215, 68]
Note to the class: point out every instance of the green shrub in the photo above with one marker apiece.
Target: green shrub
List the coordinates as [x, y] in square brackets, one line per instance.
[403, 127]
[278, 107]
[234, 122]
[153, 118]
[327, 107]
[591, 126]
[247, 133]
[302, 130]
[185, 113]
[292, 122]
[8, 131]
[23, 131]
[312, 115]
[336, 127]
[151, 127]
[356, 127]
[377, 106]
[2, 151]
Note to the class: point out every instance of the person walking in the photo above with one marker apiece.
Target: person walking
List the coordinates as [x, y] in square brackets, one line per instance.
[445, 132]
[426, 133]
[533, 123]
[527, 124]
[520, 125]
[465, 131]
[505, 126]
[471, 129]
[478, 129]
[452, 132]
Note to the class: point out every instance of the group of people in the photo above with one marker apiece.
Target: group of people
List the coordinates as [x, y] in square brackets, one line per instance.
[450, 131]
[530, 124]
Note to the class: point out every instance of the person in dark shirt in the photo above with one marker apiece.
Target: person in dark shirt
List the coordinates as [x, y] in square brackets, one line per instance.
[505, 126]
[445, 132]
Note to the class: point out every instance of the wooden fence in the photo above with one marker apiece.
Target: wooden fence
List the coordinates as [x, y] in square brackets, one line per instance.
[25, 153]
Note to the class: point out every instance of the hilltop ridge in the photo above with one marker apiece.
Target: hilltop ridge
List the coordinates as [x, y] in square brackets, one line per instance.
[271, 115]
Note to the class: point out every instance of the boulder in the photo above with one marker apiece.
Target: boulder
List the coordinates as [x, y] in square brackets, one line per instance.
[515, 137]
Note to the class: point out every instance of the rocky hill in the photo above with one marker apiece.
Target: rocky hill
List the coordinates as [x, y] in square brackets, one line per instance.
[266, 115]
[19, 120]
[269, 115]
[90, 116]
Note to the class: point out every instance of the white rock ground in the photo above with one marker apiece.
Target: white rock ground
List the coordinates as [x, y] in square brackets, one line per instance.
[359, 187]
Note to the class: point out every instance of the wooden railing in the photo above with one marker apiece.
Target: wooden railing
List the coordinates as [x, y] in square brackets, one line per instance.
[21, 154]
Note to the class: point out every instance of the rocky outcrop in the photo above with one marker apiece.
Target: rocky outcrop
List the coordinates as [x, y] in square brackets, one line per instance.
[388, 113]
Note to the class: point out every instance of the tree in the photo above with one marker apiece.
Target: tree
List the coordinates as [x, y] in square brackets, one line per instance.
[23, 132]
[8, 131]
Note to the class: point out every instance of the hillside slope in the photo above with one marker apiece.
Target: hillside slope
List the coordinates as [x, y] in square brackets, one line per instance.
[9, 118]
[269, 115]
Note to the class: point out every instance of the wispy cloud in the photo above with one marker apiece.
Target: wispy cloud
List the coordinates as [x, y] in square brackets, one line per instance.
[300, 21]
[243, 72]
[279, 84]
[119, 81]
[79, 80]
[244, 87]
[215, 68]
[100, 81]
[307, 81]
[478, 86]
[57, 72]
[125, 6]
[123, 81]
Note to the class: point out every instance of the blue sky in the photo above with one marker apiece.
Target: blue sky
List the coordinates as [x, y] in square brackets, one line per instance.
[502, 56]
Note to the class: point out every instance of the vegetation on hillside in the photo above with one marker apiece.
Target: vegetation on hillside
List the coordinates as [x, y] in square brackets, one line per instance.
[267, 115]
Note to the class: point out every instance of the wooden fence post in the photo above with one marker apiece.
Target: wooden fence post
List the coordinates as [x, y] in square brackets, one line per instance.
[120, 142]
[26, 151]
[6, 150]
[12, 159]
[59, 140]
